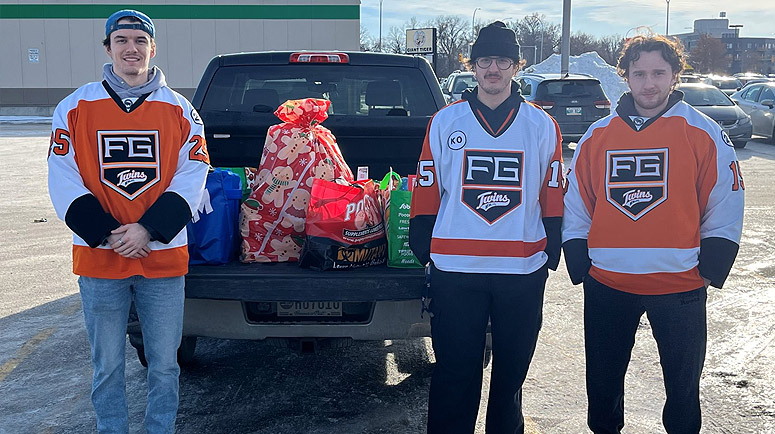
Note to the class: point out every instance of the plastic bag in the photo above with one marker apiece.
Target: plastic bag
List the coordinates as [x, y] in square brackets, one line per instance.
[212, 232]
[344, 227]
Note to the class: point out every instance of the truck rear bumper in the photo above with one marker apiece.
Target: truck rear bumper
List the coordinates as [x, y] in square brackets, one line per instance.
[226, 319]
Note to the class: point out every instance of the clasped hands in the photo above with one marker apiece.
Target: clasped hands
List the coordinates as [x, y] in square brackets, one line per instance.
[130, 241]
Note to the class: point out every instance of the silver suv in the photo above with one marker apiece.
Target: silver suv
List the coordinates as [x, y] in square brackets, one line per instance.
[575, 101]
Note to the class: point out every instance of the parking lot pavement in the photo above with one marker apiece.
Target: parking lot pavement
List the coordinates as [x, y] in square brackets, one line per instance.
[370, 387]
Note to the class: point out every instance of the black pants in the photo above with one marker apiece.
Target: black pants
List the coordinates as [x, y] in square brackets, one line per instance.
[461, 305]
[678, 322]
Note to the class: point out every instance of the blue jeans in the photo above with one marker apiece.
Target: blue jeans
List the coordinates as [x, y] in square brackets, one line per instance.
[159, 304]
[678, 322]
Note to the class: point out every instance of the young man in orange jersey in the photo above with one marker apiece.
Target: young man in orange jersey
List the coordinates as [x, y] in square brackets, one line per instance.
[486, 215]
[127, 167]
[653, 215]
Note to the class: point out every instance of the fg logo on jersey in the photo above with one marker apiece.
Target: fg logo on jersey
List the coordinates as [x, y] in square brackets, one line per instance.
[492, 182]
[636, 180]
[129, 160]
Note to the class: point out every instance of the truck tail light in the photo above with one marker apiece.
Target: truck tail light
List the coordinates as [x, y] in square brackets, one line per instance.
[320, 58]
[603, 104]
[546, 105]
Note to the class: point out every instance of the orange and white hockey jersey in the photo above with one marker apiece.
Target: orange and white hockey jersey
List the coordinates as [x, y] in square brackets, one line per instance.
[484, 188]
[653, 205]
[110, 165]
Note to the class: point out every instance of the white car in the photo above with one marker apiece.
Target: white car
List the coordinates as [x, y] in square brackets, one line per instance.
[456, 84]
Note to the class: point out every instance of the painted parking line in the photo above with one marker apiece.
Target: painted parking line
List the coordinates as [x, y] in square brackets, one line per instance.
[24, 352]
[531, 427]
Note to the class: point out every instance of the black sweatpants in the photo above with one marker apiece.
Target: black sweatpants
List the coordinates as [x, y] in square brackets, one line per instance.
[461, 304]
[678, 322]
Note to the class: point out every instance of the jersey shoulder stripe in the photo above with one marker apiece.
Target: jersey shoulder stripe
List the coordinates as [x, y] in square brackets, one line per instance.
[89, 92]
[695, 119]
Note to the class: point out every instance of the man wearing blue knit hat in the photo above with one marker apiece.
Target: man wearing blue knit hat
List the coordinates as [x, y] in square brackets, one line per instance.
[126, 169]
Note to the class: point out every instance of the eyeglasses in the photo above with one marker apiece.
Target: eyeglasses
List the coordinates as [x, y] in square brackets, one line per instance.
[501, 62]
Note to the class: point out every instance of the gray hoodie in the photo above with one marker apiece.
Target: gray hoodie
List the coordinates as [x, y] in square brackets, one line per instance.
[155, 80]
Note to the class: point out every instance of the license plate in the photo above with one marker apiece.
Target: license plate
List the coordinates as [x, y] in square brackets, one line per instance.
[573, 111]
[309, 308]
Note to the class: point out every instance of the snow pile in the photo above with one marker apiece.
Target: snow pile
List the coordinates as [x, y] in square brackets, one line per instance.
[588, 63]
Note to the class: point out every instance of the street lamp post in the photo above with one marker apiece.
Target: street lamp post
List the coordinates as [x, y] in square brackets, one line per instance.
[380, 26]
[534, 52]
[667, 18]
[473, 24]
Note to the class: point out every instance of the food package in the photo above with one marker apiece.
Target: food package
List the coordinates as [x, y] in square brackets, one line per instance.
[344, 227]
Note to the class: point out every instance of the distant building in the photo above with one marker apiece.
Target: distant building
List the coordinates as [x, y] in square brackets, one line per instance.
[50, 48]
[746, 54]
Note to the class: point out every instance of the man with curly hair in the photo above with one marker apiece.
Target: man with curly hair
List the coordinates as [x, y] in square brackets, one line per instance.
[653, 215]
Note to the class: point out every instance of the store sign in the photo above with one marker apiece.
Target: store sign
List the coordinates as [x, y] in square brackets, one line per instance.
[33, 54]
[419, 41]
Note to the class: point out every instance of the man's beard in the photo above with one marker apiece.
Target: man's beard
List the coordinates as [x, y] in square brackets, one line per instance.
[493, 90]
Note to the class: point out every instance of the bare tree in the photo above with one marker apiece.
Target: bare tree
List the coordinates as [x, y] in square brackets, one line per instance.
[610, 47]
[452, 37]
[367, 42]
[709, 55]
[395, 41]
[581, 42]
[535, 31]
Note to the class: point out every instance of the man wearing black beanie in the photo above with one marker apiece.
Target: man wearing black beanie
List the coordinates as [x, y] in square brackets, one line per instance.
[486, 216]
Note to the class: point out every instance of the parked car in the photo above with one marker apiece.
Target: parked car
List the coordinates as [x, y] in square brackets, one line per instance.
[728, 85]
[575, 101]
[456, 84]
[747, 77]
[690, 78]
[758, 101]
[716, 105]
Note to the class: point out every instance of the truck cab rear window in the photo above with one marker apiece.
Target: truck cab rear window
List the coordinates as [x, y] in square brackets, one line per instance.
[372, 91]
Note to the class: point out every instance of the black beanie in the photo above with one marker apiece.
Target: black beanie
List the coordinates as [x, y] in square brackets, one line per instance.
[496, 40]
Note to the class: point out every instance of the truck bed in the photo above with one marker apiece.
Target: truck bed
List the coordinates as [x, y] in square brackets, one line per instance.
[289, 282]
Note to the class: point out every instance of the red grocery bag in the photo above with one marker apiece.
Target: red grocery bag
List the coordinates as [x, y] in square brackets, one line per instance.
[295, 152]
[344, 227]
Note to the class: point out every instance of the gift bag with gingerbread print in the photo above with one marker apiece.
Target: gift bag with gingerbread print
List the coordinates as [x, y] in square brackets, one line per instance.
[295, 152]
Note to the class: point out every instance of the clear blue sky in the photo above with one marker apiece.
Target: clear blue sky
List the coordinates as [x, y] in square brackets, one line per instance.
[597, 17]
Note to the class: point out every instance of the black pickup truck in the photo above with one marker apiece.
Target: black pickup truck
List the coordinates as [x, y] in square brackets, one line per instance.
[381, 105]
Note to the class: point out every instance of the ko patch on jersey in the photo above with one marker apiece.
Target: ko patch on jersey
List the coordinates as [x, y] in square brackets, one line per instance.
[129, 160]
[492, 182]
[636, 180]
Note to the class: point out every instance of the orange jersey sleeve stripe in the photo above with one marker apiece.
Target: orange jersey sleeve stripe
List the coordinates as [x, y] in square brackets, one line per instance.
[106, 264]
[649, 284]
[515, 249]
[552, 190]
[426, 198]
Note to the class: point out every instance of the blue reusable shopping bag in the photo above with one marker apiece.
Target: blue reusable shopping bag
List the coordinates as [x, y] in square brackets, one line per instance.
[213, 236]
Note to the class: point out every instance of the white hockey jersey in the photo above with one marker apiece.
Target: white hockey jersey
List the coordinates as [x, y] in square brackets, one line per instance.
[489, 186]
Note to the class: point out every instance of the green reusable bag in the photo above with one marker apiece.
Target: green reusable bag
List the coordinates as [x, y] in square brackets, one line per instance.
[397, 230]
[246, 189]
